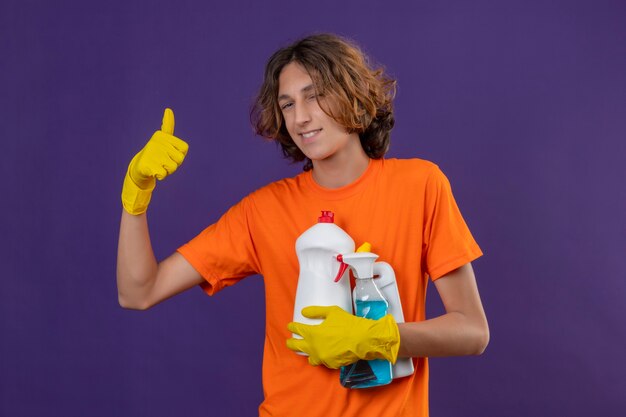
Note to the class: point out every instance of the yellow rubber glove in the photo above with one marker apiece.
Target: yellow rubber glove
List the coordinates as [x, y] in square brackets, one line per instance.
[342, 338]
[161, 156]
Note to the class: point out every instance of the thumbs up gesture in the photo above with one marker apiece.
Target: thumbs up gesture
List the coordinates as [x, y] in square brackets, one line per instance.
[161, 156]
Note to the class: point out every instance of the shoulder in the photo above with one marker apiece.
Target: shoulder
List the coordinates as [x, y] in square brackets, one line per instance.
[276, 191]
[411, 169]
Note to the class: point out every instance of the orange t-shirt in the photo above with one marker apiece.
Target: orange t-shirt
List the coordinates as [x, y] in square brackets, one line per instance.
[404, 208]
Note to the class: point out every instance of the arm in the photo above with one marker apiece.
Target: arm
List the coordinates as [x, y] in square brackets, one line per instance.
[462, 330]
[343, 338]
[141, 281]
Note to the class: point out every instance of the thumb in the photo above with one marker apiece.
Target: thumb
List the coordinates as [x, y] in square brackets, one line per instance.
[167, 126]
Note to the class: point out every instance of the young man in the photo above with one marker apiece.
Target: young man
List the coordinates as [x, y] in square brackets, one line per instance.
[325, 105]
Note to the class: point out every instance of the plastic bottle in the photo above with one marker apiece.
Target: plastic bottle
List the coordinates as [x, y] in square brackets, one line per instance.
[317, 249]
[370, 303]
[386, 283]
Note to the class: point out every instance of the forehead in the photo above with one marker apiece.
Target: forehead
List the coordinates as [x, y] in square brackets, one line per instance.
[293, 79]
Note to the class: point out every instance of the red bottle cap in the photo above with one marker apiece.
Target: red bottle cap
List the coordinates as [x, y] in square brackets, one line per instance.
[326, 217]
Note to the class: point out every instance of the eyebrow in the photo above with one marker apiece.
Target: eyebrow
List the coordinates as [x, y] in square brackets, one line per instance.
[306, 89]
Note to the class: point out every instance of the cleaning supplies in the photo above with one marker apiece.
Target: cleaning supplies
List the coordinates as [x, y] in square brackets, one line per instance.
[325, 251]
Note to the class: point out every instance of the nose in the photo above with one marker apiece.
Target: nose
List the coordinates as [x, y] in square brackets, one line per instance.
[303, 115]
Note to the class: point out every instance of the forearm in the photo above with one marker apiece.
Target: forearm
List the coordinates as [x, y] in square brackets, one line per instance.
[136, 263]
[452, 334]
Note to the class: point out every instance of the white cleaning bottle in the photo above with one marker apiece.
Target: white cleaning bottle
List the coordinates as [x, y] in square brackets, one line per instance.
[386, 283]
[317, 249]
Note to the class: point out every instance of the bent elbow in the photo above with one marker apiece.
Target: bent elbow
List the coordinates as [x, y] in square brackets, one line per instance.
[131, 293]
[128, 304]
[482, 340]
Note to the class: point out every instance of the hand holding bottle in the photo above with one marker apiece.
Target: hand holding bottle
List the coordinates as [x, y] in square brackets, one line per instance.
[161, 156]
[342, 338]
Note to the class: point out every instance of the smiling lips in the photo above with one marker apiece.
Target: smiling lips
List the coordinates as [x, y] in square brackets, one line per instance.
[309, 135]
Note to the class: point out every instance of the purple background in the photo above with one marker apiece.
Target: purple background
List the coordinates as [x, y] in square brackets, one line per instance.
[521, 103]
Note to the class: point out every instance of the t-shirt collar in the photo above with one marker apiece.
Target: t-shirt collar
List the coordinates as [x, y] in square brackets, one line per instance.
[373, 167]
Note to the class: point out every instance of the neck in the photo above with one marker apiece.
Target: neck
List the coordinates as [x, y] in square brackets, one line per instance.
[340, 169]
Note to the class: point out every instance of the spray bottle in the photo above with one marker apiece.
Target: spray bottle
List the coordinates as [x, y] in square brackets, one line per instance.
[373, 298]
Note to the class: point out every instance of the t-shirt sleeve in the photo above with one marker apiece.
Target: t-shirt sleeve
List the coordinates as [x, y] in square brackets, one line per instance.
[224, 253]
[448, 243]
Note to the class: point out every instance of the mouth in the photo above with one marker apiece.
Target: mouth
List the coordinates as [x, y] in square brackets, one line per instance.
[309, 135]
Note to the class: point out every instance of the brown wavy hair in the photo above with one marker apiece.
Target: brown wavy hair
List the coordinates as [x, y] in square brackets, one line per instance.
[361, 96]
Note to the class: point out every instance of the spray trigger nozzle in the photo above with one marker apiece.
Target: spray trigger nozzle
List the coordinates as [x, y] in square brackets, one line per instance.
[342, 268]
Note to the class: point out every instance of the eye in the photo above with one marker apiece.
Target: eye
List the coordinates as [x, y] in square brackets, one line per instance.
[286, 106]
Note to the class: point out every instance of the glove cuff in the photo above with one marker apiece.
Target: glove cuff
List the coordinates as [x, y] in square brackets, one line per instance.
[388, 338]
[134, 198]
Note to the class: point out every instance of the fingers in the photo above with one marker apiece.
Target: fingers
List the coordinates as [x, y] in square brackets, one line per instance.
[300, 345]
[297, 328]
[168, 145]
[165, 170]
[176, 156]
[159, 157]
[167, 126]
[297, 345]
[318, 312]
[314, 360]
[170, 141]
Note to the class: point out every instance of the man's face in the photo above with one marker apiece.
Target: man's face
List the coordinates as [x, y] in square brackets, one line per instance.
[317, 135]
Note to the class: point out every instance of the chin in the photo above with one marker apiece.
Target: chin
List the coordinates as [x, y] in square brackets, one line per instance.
[315, 154]
[315, 157]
